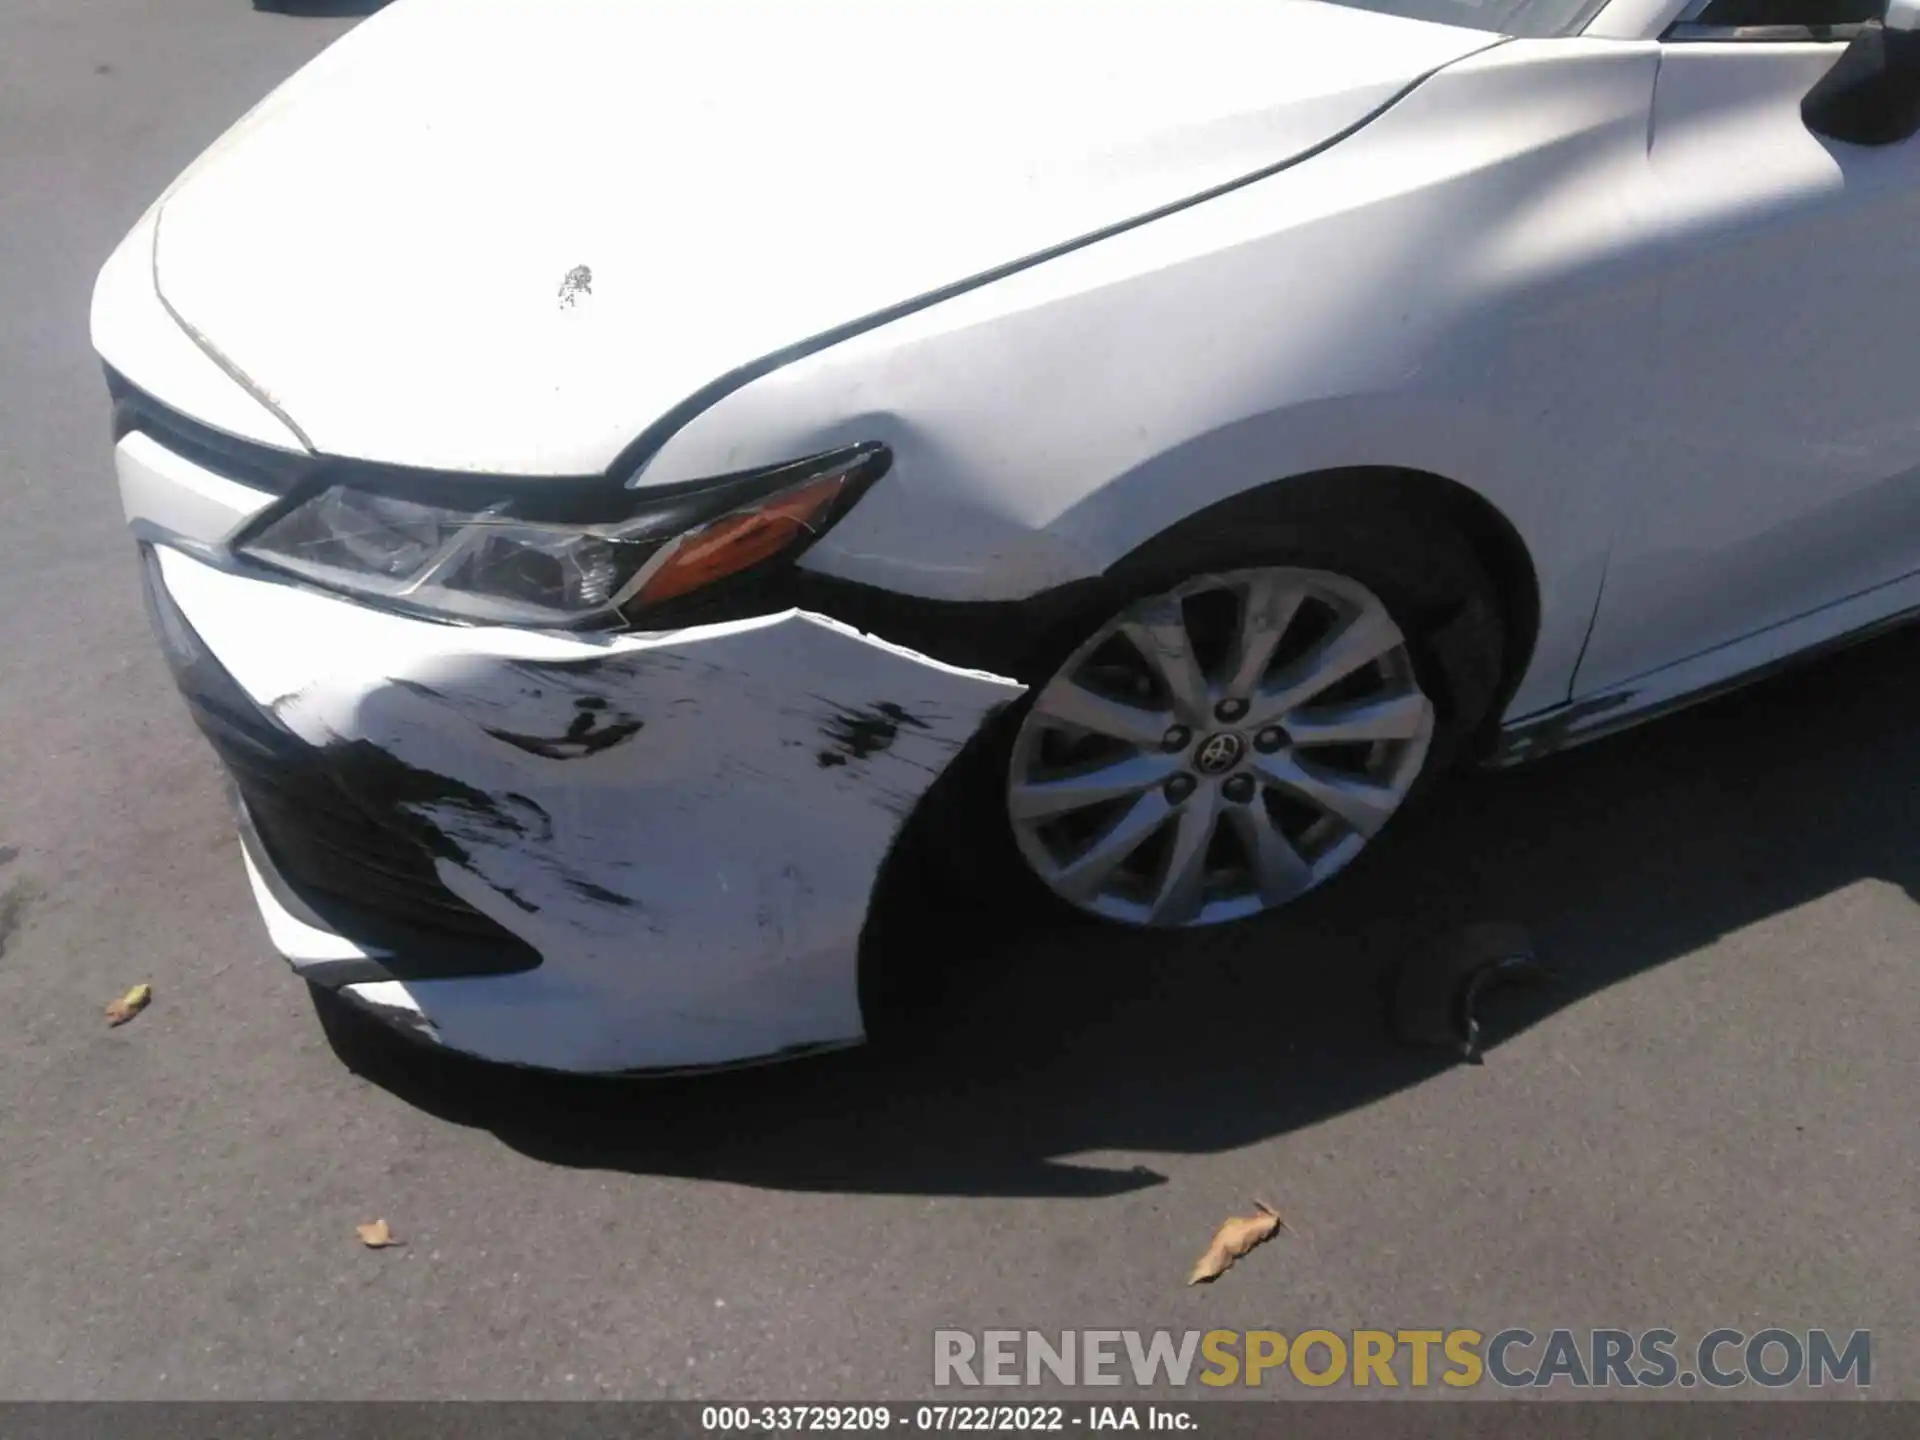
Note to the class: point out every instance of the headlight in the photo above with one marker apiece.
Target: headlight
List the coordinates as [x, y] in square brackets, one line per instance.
[506, 563]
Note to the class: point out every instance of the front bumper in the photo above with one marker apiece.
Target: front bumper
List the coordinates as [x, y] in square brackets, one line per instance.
[586, 854]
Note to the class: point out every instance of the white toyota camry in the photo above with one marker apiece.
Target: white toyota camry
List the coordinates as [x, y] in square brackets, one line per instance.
[605, 470]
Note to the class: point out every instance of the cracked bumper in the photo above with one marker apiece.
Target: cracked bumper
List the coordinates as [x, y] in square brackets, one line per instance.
[646, 852]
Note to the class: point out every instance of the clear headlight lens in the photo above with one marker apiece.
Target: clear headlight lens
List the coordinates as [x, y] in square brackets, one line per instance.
[489, 567]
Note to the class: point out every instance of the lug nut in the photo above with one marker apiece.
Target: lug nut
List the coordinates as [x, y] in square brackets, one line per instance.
[1179, 787]
[1270, 739]
[1176, 738]
[1238, 789]
[1230, 709]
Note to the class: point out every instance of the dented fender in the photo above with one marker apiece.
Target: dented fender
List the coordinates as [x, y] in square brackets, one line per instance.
[687, 827]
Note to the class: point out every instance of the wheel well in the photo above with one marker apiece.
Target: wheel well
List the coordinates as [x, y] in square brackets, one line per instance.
[926, 937]
[1019, 638]
[1423, 497]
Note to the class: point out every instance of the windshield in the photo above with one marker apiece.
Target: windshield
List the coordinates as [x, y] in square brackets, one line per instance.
[1525, 19]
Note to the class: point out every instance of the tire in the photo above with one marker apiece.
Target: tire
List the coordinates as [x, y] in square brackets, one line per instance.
[957, 877]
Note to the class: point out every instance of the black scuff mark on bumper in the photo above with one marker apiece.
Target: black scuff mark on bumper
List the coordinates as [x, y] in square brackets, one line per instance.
[591, 731]
[595, 723]
[377, 777]
[598, 894]
[355, 866]
[355, 832]
[863, 733]
[899, 716]
[858, 734]
[518, 899]
[457, 822]
[452, 820]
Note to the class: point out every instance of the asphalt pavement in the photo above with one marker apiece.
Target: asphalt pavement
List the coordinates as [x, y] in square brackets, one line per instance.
[1710, 1120]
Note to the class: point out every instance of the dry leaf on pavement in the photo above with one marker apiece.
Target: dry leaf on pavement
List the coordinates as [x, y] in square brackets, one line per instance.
[129, 1005]
[376, 1236]
[1238, 1235]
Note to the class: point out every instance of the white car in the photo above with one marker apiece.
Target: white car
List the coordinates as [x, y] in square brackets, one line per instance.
[609, 473]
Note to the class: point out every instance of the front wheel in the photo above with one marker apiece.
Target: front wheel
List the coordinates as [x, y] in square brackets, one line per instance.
[1245, 707]
[1219, 748]
[1226, 724]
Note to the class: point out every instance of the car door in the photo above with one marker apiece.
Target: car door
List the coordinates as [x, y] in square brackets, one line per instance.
[1776, 472]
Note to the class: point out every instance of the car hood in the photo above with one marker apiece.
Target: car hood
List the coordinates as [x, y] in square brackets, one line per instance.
[509, 235]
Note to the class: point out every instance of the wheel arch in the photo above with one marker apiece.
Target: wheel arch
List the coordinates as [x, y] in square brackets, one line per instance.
[1423, 496]
[926, 932]
[1013, 637]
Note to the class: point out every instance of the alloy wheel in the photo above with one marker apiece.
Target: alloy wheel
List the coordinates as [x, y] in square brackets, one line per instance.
[1219, 749]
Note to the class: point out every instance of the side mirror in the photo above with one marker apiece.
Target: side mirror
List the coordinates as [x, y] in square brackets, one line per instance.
[1871, 96]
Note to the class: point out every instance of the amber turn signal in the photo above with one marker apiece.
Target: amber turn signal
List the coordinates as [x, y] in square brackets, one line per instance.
[740, 541]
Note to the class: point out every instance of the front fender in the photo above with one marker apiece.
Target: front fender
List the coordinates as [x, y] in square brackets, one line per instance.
[1448, 290]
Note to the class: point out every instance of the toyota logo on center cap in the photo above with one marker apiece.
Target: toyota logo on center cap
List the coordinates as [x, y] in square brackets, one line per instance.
[1220, 753]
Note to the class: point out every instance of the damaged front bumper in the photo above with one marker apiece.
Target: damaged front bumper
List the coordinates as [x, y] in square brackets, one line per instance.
[586, 854]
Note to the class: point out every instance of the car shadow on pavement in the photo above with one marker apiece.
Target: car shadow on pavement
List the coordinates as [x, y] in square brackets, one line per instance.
[1618, 858]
